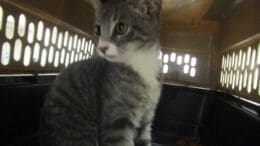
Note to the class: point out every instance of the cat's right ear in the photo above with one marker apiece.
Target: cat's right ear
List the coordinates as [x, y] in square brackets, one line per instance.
[96, 4]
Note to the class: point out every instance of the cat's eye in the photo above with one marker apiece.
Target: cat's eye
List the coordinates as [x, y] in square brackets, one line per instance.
[121, 28]
[97, 31]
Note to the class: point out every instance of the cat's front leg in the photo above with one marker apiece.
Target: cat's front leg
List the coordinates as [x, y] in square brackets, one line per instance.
[119, 133]
[143, 135]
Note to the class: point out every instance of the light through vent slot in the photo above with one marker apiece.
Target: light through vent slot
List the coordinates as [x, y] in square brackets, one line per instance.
[165, 69]
[258, 54]
[31, 30]
[83, 44]
[40, 30]
[192, 72]
[72, 57]
[248, 56]
[256, 79]
[43, 57]
[56, 59]
[6, 53]
[187, 58]
[79, 45]
[36, 52]
[70, 43]
[236, 62]
[249, 85]
[21, 25]
[92, 49]
[165, 58]
[186, 69]
[60, 38]
[179, 60]
[229, 63]
[10, 27]
[54, 35]
[66, 36]
[47, 37]
[240, 58]
[67, 59]
[223, 63]
[245, 79]
[27, 56]
[240, 82]
[233, 80]
[253, 59]
[76, 57]
[259, 89]
[62, 57]
[173, 57]
[80, 56]
[237, 77]
[243, 61]
[18, 49]
[193, 61]
[221, 78]
[86, 51]
[51, 55]
[75, 41]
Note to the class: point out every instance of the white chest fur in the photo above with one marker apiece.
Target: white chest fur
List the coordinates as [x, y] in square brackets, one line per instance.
[147, 65]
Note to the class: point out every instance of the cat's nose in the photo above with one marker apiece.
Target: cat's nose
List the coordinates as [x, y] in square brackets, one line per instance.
[103, 49]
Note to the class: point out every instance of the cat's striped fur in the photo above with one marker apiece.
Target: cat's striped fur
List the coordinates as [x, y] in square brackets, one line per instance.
[109, 101]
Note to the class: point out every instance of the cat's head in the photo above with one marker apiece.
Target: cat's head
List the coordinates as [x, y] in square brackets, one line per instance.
[126, 27]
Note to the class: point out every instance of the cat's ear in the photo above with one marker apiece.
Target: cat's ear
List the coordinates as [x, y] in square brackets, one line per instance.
[154, 6]
[147, 7]
[96, 4]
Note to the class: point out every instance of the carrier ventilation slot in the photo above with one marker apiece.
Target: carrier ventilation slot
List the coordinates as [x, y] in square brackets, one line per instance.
[187, 62]
[33, 42]
[240, 69]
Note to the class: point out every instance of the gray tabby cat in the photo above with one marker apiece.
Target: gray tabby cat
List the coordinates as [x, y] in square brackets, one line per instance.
[110, 99]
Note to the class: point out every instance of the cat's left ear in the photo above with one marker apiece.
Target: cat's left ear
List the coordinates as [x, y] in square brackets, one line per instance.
[96, 4]
[153, 6]
[147, 7]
